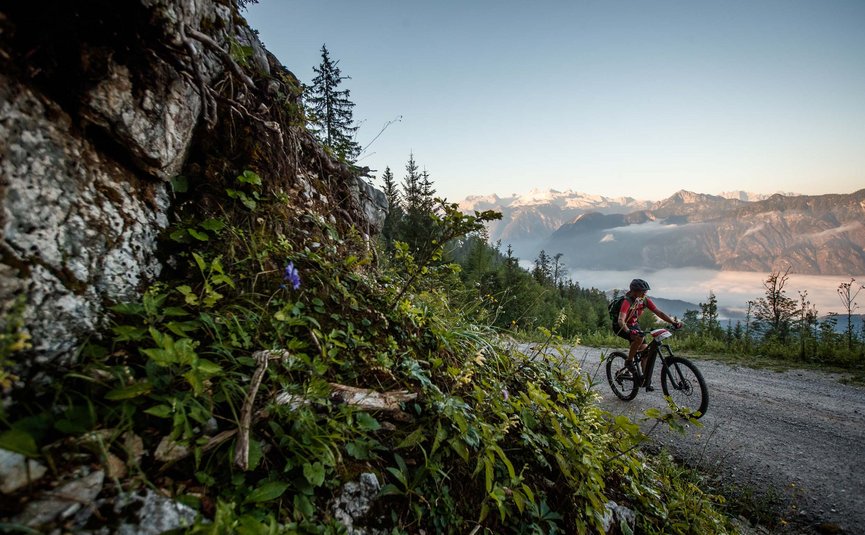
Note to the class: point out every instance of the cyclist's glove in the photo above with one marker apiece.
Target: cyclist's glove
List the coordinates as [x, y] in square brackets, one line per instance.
[635, 332]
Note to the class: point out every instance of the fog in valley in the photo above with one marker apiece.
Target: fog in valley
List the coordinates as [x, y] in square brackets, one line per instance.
[732, 288]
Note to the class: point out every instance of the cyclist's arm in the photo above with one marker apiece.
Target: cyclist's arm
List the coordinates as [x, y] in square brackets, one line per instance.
[660, 313]
[623, 315]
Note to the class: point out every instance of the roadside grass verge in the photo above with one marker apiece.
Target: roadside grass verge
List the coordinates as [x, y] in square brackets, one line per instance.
[853, 374]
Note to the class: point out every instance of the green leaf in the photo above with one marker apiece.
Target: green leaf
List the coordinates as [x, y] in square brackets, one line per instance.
[212, 224]
[390, 490]
[162, 357]
[249, 177]
[488, 474]
[200, 262]
[189, 296]
[303, 505]
[460, 448]
[628, 426]
[160, 411]
[207, 367]
[77, 420]
[200, 236]
[180, 184]
[395, 472]
[180, 236]
[20, 442]
[413, 439]
[314, 473]
[152, 302]
[255, 454]
[366, 422]
[441, 434]
[510, 467]
[653, 413]
[184, 351]
[626, 528]
[358, 450]
[130, 391]
[128, 333]
[128, 309]
[267, 492]
[194, 379]
[249, 203]
[181, 328]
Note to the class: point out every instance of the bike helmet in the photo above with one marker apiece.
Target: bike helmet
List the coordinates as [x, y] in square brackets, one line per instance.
[638, 285]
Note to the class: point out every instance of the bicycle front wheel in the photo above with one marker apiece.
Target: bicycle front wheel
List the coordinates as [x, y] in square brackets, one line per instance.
[622, 381]
[684, 383]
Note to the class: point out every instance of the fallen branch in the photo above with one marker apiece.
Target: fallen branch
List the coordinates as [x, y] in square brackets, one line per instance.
[360, 398]
[370, 400]
[241, 452]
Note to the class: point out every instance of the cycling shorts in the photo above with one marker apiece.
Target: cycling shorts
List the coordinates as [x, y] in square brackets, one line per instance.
[622, 333]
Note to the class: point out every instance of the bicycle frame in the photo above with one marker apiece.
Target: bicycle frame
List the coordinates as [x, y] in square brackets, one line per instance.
[656, 349]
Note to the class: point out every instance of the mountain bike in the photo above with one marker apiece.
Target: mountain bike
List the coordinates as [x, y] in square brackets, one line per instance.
[680, 378]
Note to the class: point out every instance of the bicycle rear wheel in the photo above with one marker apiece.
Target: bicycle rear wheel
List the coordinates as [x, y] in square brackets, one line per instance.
[622, 381]
[684, 383]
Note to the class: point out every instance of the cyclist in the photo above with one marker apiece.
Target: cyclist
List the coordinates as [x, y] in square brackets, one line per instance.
[625, 324]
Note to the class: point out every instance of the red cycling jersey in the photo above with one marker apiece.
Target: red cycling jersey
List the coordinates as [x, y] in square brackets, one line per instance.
[634, 309]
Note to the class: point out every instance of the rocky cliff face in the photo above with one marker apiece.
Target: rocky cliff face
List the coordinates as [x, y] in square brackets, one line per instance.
[102, 104]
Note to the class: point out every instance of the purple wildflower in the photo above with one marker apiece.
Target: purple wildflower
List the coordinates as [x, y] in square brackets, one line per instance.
[291, 275]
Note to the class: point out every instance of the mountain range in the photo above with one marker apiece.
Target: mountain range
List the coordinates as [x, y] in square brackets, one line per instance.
[819, 235]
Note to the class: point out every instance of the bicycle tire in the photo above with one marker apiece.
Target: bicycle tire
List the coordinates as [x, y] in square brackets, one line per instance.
[624, 388]
[683, 382]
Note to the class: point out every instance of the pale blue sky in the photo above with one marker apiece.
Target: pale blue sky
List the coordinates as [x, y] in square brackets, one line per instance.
[610, 97]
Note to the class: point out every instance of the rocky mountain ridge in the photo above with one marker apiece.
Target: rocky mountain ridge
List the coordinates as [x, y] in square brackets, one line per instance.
[530, 218]
[538, 213]
[819, 235]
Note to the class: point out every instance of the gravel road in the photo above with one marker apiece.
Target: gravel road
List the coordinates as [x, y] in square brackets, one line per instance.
[801, 433]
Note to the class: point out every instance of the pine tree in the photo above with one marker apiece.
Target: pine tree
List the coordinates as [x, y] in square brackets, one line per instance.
[331, 109]
[414, 228]
[411, 186]
[543, 272]
[426, 192]
[709, 323]
[394, 203]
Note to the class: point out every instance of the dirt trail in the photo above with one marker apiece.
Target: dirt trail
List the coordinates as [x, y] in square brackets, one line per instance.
[801, 433]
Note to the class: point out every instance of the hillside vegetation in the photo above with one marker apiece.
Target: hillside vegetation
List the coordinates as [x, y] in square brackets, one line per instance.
[235, 360]
[287, 372]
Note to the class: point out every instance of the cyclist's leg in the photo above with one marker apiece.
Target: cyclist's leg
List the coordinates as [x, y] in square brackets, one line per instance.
[636, 345]
[626, 335]
[648, 368]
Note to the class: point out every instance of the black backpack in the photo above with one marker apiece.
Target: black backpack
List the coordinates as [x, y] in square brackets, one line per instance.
[614, 308]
